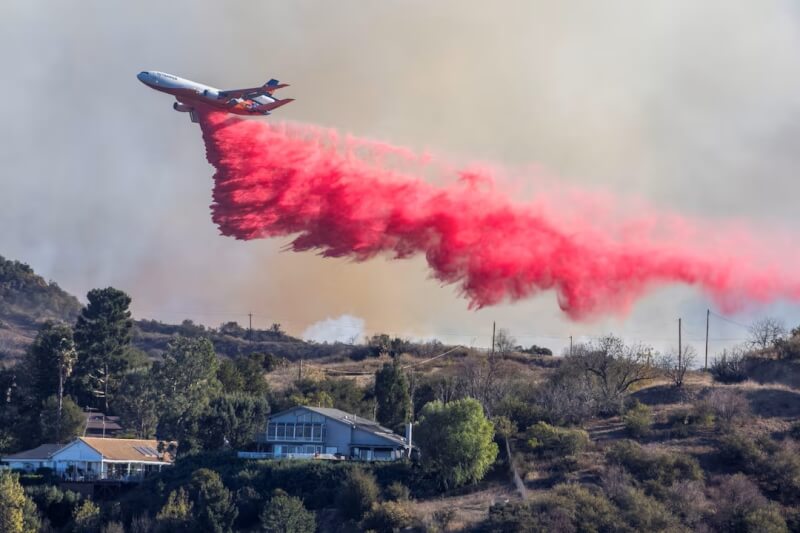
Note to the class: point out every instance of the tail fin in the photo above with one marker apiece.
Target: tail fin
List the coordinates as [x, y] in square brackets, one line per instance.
[273, 85]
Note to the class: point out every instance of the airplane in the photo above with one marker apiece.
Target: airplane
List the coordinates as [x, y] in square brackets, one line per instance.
[189, 94]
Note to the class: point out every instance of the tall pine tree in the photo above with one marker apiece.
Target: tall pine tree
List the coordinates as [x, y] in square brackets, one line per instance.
[393, 397]
[102, 335]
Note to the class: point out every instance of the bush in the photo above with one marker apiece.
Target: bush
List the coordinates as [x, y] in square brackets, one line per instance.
[388, 517]
[398, 492]
[765, 520]
[86, 518]
[638, 420]
[664, 468]
[730, 367]
[685, 422]
[56, 505]
[645, 513]
[740, 451]
[729, 407]
[457, 442]
[553, 441]
[286, 514]
[565, 508]
[358, 492]
[781, 474]
[740, 506]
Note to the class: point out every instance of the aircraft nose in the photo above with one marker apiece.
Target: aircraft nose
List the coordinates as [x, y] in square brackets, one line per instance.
[142, 76]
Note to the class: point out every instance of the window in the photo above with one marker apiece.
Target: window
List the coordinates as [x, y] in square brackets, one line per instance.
[317, 432]
[307, 431]
[281, 431]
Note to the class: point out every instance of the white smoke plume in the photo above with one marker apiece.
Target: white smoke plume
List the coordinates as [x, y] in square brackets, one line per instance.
[346, 328]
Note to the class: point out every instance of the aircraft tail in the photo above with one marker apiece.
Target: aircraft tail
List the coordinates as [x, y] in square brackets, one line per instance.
[273, 85]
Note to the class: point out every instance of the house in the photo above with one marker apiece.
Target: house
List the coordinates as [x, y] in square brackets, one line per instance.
[90, 458]
[30, 460]
[97, 424]
[304, 431]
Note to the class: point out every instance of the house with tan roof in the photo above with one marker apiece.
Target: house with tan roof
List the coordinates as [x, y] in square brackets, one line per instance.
[91, 458]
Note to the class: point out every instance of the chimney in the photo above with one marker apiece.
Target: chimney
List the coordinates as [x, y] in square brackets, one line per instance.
[409, 430]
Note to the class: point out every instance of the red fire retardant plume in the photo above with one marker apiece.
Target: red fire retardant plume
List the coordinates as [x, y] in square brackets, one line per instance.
[347, 198]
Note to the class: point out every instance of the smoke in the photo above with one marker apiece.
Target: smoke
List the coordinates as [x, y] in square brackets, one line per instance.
[346, 328]
[357, 199]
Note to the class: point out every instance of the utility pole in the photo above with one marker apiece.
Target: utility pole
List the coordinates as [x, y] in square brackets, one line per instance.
[493, 329]
[680, 350]
[250, 316]
[708, 318]
[300, 369]
[570, 345]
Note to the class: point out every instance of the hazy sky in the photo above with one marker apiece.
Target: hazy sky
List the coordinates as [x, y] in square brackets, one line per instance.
[693, 106]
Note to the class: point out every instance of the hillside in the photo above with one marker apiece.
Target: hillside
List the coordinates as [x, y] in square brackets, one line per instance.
[27, 300]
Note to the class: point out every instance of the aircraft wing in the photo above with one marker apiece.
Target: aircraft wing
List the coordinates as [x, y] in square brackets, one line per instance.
[267, 88]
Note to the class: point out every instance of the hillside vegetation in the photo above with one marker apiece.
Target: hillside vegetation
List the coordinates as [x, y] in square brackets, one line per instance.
[610, 438]
[26, 301]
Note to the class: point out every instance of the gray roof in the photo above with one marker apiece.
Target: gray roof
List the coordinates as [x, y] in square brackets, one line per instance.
[43, 452]
[357, 421]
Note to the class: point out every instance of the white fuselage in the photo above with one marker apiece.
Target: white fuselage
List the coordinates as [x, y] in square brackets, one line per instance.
[188, 92]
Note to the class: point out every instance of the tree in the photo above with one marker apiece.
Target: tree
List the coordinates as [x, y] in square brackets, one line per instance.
[60, 421]
[18, 514]
[213, 504]
[358, 492]
[137, 402]
[176, 515]
[49, 362]
[87, 517]
[186, 381]
[243, 374]
[393, 397]
[766, 332]
[613, 368]
[456, 441]
[102, 333]
[286, 514]
[487, 379]
[504, 343]
[233, 420]
[674, 365]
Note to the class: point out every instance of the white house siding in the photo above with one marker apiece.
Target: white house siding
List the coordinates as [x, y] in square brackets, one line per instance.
[28, 464]
[80, 455]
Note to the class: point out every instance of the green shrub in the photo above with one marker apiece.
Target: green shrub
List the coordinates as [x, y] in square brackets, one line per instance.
[565, 508]
[357, 493]
[645, 513]
[729, 407]
[664, 468]
[765, 520]
[286, 514]
[398, 492]
[553, 441]
[638, 420]
[729, 368]
[740, 506]
[740, 451]
[388, 516]
[780, 474]
[56, 505]
[86, 517]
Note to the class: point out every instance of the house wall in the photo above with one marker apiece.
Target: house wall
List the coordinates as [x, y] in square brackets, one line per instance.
[79, 454]
[28, 464]
[339, 437]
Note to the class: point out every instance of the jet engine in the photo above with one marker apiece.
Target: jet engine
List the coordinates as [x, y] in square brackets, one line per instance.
[183, 108]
